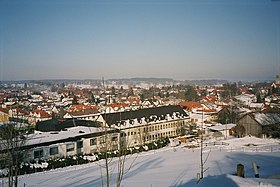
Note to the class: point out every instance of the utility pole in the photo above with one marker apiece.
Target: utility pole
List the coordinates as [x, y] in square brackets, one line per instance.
[226, 127]
[201, 148]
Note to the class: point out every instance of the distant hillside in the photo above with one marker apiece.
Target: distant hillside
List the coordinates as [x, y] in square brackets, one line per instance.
[134, 81]
[205, 82]
[153, 80]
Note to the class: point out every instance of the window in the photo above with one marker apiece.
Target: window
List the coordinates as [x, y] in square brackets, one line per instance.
[80, 144]
[38, 153]
[69, 147]
[53, 150]
[93, 141]
[114, 138]
[102, 139]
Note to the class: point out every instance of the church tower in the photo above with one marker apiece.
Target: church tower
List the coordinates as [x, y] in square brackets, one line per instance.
[277, 79]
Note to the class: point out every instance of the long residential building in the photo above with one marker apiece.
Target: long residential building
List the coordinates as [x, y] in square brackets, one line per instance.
[147, 125]
[65, 137]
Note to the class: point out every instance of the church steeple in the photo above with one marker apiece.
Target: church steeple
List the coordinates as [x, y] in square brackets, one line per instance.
[277, 79]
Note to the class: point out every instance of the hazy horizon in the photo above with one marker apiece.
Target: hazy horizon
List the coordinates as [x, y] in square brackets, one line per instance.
[181, 40]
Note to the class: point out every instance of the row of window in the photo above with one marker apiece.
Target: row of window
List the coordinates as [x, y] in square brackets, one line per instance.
[40, 153]
[154, 128]
[157, 136]
[102, 140]
[71, 146]
[54, 150]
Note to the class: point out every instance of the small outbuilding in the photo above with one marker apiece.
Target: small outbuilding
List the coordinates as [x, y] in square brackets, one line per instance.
[259, 124]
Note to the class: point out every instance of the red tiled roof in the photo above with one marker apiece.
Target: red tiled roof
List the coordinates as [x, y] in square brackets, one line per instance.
[20, 111]
[131, 100]
[80, 107]
[4, 110]
[190, 105]
[210, 98]
[84, 112]
[118, 105]
[41, 112]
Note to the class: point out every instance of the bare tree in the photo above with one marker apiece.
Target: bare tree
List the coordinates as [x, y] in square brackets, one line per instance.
[121, 161]
[104, 147]
[11, 140]
[107, 144]
[115, 140]
[143, 134]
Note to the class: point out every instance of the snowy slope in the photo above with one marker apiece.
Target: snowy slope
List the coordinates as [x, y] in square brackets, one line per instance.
[176, 167]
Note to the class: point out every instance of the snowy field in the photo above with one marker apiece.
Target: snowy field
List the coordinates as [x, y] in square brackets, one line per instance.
[168, 167]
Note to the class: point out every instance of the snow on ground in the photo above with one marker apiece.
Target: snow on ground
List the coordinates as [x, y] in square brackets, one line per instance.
[177, 166]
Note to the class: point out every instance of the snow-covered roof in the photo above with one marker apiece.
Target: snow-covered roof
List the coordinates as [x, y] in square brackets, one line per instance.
[256, 105]
[246, 98]
[133, 118]
[267, 118]
[222, 127]
[43, 137]
[199, 116]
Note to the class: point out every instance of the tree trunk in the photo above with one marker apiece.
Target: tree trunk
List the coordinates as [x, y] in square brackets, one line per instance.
[107, 169]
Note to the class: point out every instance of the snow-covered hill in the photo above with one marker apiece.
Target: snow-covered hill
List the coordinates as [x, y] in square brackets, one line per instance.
[176, 167]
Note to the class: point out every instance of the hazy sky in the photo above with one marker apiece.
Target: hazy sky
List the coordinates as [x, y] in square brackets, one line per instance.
[186, 39]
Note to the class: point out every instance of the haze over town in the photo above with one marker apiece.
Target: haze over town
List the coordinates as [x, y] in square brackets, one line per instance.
[221, 39]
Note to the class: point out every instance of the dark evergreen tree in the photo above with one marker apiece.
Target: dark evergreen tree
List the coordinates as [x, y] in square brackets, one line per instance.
[130, 91]
[75, 100]
[191, 94]
[259, 99]
[113, 90]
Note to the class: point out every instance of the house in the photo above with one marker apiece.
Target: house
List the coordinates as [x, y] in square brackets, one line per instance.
[148, 124]
[147, 103]
[38, 115]
[69, 141]
[81, 107]
[17, 114]
[256, 106]
[246, 99]
[116, 107]
[58, 138]
[4, 115]
[209, 99]
[200, 118]
[275, 86]
[224, 130]
[191, 106]
[257, 124]
[87, 114]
